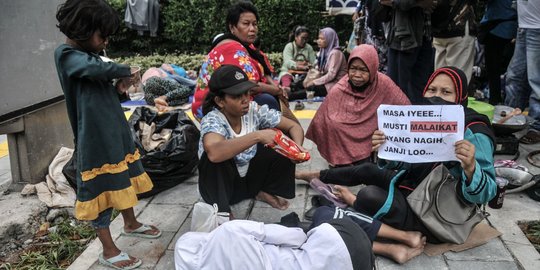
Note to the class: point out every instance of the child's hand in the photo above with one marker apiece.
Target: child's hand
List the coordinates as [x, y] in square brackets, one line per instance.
[122, 85]
[161, 103]
[377, 139]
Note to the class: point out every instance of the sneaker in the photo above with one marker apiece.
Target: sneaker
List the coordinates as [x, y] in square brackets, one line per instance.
[299, 106]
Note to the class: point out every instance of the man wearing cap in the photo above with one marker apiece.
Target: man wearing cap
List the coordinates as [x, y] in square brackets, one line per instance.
[234, 164]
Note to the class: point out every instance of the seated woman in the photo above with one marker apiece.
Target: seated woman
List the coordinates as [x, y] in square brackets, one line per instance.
[446, 86]
[234, 164]
[236, 48]
[348, 116]
[298, 56]
[331, 63]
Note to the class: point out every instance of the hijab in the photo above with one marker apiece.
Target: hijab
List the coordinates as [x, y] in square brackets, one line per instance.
[477, 123]
[253, 53]
[332, 42]
[348, 117]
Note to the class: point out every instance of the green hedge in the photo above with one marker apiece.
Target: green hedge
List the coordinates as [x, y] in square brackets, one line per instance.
[188, 26]
[187, 61]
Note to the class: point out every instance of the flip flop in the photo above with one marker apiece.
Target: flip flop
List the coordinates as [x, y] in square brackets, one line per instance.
[531, 137]
[119, 258]
[327, 192]
[139, 232]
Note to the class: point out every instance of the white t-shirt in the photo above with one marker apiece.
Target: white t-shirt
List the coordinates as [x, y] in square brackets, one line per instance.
[528, 14]
[257, 118]
[246, 244]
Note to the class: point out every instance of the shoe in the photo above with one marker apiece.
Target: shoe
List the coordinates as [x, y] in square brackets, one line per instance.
[531, 137]
[299, 106]
[119, 258]
[139, 232]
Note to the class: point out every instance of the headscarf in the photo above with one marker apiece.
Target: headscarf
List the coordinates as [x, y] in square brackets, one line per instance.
[347, 118]
[332, 42]
[477, 123]
[254, 53]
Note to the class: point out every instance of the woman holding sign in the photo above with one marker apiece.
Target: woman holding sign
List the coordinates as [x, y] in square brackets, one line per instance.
[475, 167]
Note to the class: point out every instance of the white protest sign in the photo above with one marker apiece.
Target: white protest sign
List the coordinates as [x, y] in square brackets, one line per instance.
[420, 133]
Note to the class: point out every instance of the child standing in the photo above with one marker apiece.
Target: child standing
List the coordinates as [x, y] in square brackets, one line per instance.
[109, 172]
[234, 164]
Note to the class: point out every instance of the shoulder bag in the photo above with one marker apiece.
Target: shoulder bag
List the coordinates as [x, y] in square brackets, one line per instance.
[438, 202]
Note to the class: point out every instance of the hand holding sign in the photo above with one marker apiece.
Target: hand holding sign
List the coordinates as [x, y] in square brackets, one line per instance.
[418, 134]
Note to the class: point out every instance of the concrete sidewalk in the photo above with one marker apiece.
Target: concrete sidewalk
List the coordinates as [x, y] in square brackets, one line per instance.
[171, 212]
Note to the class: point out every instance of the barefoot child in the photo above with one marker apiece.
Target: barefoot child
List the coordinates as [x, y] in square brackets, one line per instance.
[234, 164]
[109, 173]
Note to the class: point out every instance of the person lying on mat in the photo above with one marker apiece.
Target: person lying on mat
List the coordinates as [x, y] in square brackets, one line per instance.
[446, 85]
[234, 164]
[245, 244]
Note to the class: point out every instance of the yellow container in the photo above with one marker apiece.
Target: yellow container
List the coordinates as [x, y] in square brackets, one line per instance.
[481, 107]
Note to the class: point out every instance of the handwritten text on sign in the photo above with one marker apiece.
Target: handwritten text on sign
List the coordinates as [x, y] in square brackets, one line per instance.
[420, 133]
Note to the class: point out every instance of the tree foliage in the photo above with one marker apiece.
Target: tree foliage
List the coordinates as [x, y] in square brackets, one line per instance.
[188, 26]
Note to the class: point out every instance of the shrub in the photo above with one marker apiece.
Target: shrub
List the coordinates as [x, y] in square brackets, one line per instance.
[188, 26]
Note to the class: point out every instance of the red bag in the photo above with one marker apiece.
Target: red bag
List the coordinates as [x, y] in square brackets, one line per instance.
[287, 147]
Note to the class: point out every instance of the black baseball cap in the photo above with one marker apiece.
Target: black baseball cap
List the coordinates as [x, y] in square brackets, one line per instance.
[230, 80]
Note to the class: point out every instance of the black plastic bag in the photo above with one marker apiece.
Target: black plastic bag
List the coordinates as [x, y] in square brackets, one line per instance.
[173, 162]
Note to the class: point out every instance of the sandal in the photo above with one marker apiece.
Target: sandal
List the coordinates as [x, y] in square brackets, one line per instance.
[299, 106]
[140, 232]
[531, 137]
[119, 258]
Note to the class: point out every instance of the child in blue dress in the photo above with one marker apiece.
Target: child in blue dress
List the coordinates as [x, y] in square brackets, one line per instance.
[109, 172]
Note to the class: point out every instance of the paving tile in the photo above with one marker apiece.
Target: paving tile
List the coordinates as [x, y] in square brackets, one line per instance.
[184, 194]
[418, 263]
[186, 226]
[149, 250]
[166, 217]
[476, 265]
[166, 262]
[242, 209]
[272, 215]
[494, 250]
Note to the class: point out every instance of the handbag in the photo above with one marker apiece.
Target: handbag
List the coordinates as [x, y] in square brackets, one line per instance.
[438, 202]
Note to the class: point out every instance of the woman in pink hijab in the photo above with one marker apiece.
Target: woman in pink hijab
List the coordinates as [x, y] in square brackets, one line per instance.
[343, 125]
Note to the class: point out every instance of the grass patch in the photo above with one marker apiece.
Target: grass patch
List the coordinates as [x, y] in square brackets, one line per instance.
[54, 250]
[532, 231]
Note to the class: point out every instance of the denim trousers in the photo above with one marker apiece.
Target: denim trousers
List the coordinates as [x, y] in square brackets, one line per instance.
[523, 75]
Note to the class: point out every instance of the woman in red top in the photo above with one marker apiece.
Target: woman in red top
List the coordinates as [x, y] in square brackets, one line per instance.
[236, 48]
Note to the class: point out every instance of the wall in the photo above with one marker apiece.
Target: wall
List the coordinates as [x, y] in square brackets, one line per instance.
[29, 36]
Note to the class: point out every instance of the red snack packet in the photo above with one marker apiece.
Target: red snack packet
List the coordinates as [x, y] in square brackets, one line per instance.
[287, 147]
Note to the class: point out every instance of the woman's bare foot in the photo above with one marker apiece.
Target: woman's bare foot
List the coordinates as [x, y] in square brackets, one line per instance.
[400, 253]
[414, 239]
[273, 200]
[306, 176]
[345, 195]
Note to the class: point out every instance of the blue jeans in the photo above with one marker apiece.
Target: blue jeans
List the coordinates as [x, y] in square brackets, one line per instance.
[103, 220]
[523, 75]
[265, 98]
